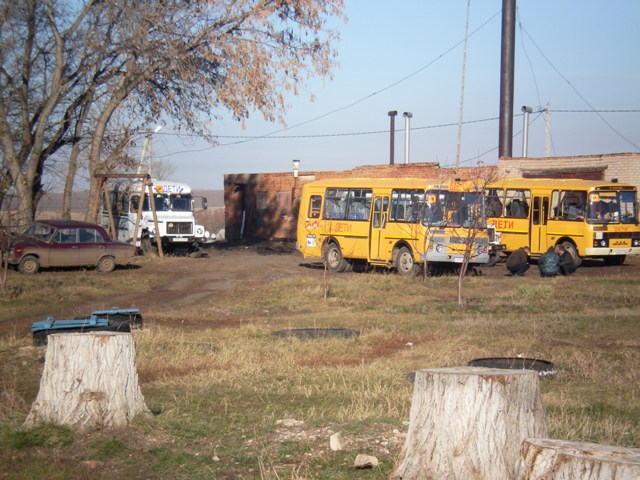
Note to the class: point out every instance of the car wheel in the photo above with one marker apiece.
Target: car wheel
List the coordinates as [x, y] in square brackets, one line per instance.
[333, 258]
[404, 262]
[29, 265]
[106, 264]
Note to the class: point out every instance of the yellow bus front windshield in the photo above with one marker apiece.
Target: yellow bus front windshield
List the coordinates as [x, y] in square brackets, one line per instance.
[454, 209]
[612, 207]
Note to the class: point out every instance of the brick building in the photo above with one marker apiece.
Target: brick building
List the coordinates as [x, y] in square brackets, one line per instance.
[264, 205]
[623, 166]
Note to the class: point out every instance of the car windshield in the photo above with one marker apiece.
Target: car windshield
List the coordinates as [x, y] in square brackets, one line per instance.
[39, 231]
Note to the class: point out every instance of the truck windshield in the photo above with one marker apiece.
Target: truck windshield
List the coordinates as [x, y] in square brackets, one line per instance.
[164, 203]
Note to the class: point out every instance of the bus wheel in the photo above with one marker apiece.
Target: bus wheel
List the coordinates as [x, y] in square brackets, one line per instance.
[614, 260]
[569, 247]
[493, 260]
[333, 258]
[404, 262]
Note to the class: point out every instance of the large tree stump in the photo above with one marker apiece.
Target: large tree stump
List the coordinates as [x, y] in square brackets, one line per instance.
[469, 422]
[89, 381]
[564, 460]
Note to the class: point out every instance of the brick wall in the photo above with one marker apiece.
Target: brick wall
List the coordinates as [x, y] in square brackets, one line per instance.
[623, 166]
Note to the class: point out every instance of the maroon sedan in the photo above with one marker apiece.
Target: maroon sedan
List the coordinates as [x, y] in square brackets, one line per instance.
[67, 243]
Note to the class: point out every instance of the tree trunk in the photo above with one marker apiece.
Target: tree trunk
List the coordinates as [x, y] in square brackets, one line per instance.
[564, 460]
[469, 422]
[89, 381]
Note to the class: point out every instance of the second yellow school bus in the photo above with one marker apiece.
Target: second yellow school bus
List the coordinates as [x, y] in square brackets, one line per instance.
[592, 219]
[392, 222]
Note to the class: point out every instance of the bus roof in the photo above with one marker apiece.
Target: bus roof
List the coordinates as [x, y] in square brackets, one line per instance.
[362, 182]
[559, 183]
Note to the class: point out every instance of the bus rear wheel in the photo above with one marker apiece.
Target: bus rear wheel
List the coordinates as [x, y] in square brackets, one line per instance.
[405, 265]
[333, 258]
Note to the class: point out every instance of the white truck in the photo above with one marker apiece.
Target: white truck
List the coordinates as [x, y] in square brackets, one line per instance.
[174, 205]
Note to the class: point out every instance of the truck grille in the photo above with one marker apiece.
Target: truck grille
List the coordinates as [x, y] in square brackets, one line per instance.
[179, 228]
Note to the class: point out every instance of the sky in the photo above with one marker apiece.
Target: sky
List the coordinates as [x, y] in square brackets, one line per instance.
[582, 58]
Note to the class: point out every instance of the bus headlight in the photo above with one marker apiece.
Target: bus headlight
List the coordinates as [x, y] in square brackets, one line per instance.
[600, 243]
[636, 242]
[481, 249]
[440, 248]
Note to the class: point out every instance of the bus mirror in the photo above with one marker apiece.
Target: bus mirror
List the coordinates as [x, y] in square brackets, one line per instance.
[204, 203]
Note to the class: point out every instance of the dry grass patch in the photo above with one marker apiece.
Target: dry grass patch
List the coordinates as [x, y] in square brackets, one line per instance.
[218, 381]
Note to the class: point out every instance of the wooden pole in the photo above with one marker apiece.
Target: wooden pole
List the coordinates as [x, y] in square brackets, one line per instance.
[469, 422]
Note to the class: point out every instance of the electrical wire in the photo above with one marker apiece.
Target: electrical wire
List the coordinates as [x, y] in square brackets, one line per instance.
[575, 90]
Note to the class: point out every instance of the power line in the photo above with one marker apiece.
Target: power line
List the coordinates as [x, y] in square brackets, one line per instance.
[366, 97]
[577, 92]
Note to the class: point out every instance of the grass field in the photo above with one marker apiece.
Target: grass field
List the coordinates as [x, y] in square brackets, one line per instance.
[231, 400]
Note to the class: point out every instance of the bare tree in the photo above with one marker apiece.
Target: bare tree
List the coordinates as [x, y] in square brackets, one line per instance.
[475, 222]
[69, 69]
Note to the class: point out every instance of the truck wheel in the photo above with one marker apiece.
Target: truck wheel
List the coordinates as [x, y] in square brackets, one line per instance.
[106, 264]
[333, 258]
[405, 265]
[29, 265]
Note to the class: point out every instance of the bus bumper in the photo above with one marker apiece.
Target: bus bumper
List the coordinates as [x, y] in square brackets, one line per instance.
[605, 251]
[435, 257]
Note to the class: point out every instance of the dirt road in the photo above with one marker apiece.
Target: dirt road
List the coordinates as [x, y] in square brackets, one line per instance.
[237, 269]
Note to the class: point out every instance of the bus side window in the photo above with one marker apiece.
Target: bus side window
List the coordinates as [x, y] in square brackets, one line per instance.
[314, 206]
[493, 204]
[554, 212]
[518, 203]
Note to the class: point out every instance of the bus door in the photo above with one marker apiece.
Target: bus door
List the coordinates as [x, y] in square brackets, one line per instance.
[378, 225]
[538, 230]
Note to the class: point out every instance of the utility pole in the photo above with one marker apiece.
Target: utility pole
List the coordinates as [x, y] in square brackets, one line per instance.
[547, 130]
[464, 68]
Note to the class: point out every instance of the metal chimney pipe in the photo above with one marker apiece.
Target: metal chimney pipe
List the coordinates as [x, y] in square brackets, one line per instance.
[525, 130]
[407, 129]
[507, 62]
[392, 135]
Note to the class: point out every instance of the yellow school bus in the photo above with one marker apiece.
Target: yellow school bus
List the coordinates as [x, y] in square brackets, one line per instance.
[399, 223]
[591, 219]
